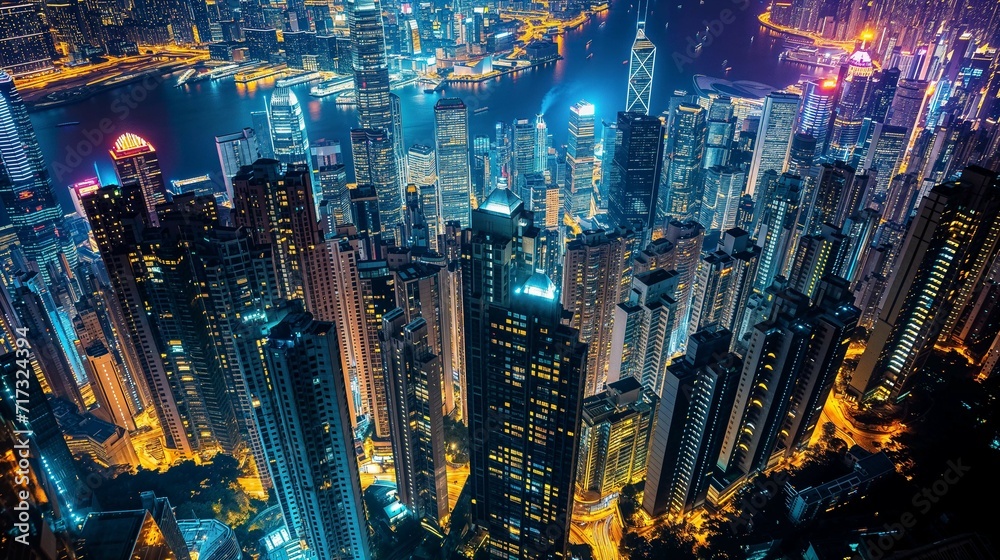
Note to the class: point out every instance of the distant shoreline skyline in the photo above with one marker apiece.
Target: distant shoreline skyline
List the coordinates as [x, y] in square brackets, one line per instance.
[202, 110]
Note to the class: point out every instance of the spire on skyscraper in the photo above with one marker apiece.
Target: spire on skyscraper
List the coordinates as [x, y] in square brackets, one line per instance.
[640, 70]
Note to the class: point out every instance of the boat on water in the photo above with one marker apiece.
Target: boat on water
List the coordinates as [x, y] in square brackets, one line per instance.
[624, 62]
[590, 56]
[480, 110]
[70, 123]
[429, 90]
[589, 42]
[331, 87]
[185, 77]
[299, 79]
[725, 62]
[603, 23]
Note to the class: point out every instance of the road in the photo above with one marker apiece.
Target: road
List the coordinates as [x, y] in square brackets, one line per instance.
[456, 478]
[369, 478]
[602, 531]
[537, 23]
[818, 40]
[68, 77]
[834, 412]
[457, 475]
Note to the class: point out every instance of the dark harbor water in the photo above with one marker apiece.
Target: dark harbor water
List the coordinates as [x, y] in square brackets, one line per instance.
[181, 122]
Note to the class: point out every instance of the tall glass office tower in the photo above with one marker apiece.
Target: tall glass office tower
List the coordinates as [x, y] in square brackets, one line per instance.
[288, 128]
[451, 136]
[375, 107]
[640, 72]
[580, 160]
[26, 187]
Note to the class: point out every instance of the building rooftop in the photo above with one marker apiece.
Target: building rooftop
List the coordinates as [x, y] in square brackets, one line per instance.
[124, 535]
[502, 202]
[209, 539]
[622, 399]
[540, 285]
[76, 425]
[740, 88]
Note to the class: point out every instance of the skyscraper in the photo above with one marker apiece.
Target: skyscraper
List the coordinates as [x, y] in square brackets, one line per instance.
[637, 163]
[816, 256]
[297, 213]
[374, 156]
[25, 186]
[109, 387]
[788, 372]
[721, 128]
[371, 71]
[481, 167]
[723, 187]
[25, 47]
[883, 94]
[580, 160]
[416, 409]
[817, 110]
[681, 200]
[541, 143]
[358, 353]
[777, 238]
[176, 278]
[421, 165]
[236, 150]
[715, 292]
[642, 329]
[688, 237]
[288, 129]
[106, 534]
[534, 367]
[421, 291]
[380, 165]
[609, 144]
[596, 278]
[325, 153]
[778, 231]
[774, 139]
[261, 121]
[802, 154]
[135, 160]
[640, 72]
[614, 437]
[690, 421]
[39, 331]
[949, 243]
[885, 153]
[522, 154]
[493, 263]
[310, 442]
[907, 103]
[117, 215]
[854, 87]
[51, 462]
[831, 197]
[377, 286]
[451, 136]
[259, 207]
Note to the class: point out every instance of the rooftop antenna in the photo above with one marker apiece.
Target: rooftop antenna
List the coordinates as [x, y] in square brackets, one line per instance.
[641, 14]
